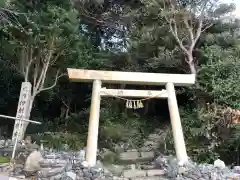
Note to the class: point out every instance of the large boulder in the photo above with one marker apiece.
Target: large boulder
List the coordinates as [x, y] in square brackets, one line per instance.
[32, 163]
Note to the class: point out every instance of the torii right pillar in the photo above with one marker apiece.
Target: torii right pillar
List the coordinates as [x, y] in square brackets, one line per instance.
[178, 137]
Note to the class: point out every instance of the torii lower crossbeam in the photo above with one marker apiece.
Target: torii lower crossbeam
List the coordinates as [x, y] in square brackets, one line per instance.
[97, 77]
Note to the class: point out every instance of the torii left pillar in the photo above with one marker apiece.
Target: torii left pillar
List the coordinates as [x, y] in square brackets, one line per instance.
[92, 141]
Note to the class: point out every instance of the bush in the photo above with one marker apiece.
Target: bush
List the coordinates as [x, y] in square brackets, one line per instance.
[60, 140]
[121, 128]
[200, 141]
[219, 77]
[207, 139]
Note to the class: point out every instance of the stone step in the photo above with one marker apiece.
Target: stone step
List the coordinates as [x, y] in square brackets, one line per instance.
[148, 155]
[154, 136]
[155, 172]
[143, 173]
[152, 142]
[150, 178]
[126, 156]
[134, 173]
[131, 157]
[146, 167]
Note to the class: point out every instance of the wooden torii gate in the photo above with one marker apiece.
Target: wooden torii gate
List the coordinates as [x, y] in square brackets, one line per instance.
[97, 77]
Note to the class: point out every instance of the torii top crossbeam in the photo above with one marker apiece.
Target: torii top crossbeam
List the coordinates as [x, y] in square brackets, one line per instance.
[119, 77]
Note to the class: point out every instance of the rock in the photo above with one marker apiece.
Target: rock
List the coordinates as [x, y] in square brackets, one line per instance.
[32, 163]
[66, 165]
[85, 164]
[119, 178]
[71, 175]
[232, 176]
[50, 156]
[21, 158]
[81, 155]
[161, 162]
[28, 140]
[49, 172]
[172, 167]
[99, 165]
[182, 170]
[32, 147]
[4, 167]
[53, 163]
[236, 169]
[219, 164]
[2, 143]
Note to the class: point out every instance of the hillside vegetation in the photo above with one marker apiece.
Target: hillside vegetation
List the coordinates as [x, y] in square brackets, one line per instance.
[40, 39]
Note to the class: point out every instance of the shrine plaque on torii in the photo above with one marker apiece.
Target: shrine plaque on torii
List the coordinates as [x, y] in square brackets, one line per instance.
[140, 78]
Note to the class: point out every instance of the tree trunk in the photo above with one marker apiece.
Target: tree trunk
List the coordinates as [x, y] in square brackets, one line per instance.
[191, 64]
[68, 109]
[146, 107]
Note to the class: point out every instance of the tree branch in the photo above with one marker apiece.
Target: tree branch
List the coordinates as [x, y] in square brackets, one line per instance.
[191, 34]
[54, 84]
[56, 57]
[97, 21]
[22, 61]
[198, 34]
[30, 60]
[173, 25]
[200, 22]
[45, 69]
[206, 27]
[190, 30]
[36, 87]
[36, 72]
[174, 29]
[46, 62]
[10, 11]
[174, 32]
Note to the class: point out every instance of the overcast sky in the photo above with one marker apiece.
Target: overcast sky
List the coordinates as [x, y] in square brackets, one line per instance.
[237, 2]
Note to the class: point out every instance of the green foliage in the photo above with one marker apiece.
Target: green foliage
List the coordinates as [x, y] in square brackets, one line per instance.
[49, 24]
[231, 147]
[201, 139]
[121, 128]
[199, 136]
[74, 141]
[130, 36]
[220, 74]
[217, 82]
[109, 158]
[206, 140]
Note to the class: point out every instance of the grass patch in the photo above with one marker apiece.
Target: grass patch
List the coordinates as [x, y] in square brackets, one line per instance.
[4, 160]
